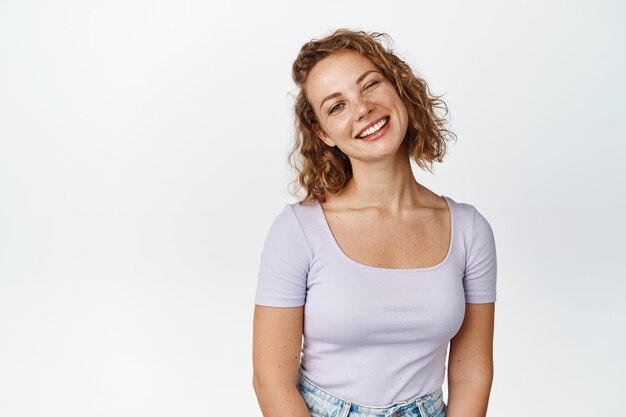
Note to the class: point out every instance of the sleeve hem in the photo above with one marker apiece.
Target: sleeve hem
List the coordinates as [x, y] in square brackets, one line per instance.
[274, 303]
[480, 299]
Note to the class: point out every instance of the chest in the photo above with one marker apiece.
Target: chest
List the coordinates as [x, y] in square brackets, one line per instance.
[417, 239]
[351, 305]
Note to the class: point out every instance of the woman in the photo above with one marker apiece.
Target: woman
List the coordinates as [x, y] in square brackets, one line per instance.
[377, 272]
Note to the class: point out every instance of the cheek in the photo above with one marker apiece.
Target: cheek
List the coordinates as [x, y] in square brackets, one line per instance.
[403, 118]
[340, 126]
[403, 110]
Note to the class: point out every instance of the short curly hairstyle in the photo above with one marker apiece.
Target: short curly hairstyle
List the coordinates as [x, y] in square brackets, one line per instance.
[322, 169]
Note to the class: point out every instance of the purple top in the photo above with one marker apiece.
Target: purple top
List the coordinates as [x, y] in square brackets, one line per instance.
[374, 336]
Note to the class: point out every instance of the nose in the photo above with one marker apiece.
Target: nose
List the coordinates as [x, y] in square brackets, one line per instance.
[363, 109]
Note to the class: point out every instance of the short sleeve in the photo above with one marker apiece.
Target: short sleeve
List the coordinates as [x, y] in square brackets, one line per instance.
[479, 280]
[285, 263]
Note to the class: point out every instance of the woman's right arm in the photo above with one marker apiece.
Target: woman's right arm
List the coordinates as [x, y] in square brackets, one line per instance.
[276, 347]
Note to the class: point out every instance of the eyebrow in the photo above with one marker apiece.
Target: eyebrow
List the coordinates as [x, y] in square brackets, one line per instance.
[358, 80]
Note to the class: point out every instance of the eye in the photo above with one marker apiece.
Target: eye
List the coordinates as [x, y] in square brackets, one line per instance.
[373, 83]
[334, 108]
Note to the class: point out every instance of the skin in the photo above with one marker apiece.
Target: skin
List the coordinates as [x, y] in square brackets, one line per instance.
[382, 207]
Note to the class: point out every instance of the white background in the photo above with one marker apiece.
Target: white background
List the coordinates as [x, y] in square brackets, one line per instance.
[143, 156]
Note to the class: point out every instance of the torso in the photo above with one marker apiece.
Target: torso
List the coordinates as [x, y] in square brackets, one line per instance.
[419, 237]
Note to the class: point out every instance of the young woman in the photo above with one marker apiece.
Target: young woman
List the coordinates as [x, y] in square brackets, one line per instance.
[376, 271]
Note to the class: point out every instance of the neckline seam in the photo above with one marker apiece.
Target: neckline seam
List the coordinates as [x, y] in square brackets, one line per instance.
[342, 254]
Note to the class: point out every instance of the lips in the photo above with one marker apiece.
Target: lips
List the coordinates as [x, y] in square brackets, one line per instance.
[374, 123]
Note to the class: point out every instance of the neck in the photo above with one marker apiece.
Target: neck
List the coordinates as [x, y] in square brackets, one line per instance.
[388, 184]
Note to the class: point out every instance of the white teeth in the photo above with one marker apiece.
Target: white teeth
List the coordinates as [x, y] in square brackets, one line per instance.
[373, 129]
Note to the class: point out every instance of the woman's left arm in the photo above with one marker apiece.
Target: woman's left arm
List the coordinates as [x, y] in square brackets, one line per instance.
[470, 363]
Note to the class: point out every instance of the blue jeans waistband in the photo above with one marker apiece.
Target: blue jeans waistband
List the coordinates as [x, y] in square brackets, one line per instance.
[322, 403]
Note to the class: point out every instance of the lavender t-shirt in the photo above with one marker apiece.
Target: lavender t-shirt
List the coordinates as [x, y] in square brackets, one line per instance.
[374, 336]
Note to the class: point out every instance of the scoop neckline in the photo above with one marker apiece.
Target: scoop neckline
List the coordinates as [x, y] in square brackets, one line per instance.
[337, 248]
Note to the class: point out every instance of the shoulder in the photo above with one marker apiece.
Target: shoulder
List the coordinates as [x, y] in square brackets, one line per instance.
[285, 222]
[467, 214]
[291, 213]
[287, 228]
[285, 261]
[471, 225]
[301, 210]
[478, 244]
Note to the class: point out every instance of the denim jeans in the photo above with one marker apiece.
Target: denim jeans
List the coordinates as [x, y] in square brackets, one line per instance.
[323, 404]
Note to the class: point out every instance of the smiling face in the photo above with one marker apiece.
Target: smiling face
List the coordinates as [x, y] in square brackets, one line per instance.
[357, 108]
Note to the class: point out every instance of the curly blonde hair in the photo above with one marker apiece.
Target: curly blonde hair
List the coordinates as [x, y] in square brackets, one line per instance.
[322, 169]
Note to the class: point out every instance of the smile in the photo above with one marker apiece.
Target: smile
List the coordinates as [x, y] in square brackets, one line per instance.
[373, 129]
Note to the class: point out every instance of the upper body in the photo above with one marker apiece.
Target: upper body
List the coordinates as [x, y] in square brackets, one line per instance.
[377, 272]
[377, 327]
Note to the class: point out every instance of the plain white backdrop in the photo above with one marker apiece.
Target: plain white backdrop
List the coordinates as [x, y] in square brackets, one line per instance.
[143, 155]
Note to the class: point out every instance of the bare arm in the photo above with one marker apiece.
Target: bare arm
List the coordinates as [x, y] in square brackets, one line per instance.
[470, 366]
[277, 342]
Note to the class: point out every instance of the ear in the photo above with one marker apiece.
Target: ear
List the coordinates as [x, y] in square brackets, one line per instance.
[322, 135]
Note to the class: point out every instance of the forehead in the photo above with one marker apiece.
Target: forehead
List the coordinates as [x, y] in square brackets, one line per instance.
[335, 73]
